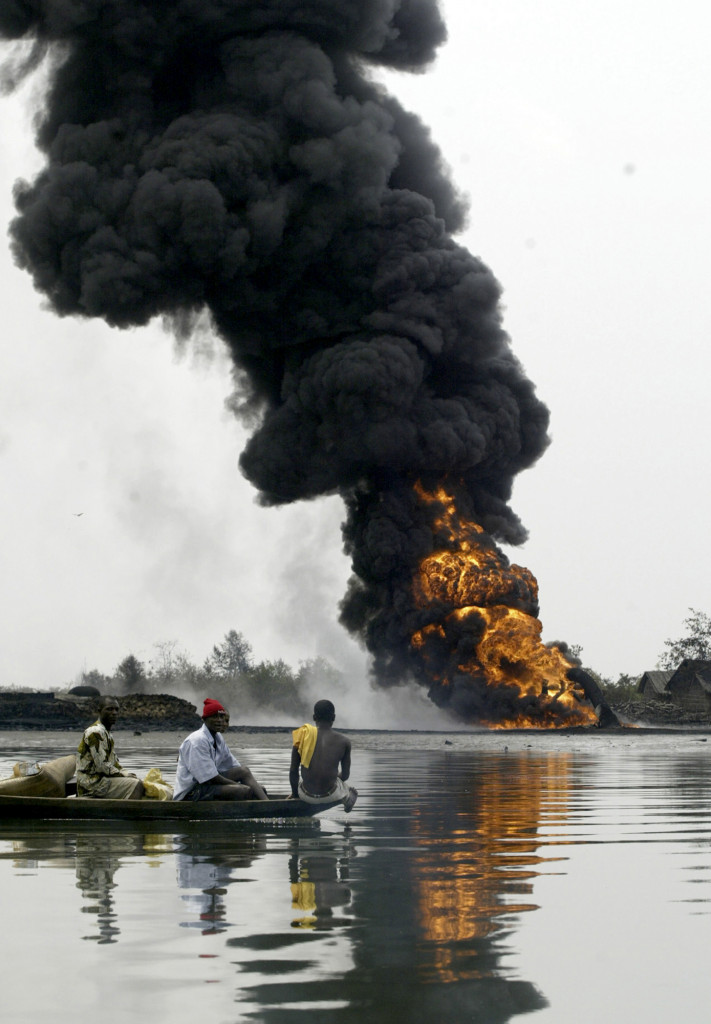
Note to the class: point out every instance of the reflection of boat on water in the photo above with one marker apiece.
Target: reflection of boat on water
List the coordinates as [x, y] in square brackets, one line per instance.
[45, 796]
[318, 878]
[207, 862]
[95, 856]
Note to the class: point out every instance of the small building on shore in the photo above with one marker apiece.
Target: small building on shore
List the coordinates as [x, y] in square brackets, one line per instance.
[653, 685]
[690, 686]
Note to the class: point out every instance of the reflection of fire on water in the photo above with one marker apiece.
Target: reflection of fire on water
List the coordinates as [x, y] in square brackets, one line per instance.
[482, 644]
[483, 866]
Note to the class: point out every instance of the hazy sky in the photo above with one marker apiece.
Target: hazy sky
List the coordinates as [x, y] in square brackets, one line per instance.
[579, 133]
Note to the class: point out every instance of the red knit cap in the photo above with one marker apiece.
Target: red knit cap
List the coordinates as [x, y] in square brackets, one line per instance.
[211, 707]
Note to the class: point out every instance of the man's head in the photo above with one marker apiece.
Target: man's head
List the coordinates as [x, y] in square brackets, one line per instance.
[324, 712]
[108, 711]
[214, 715]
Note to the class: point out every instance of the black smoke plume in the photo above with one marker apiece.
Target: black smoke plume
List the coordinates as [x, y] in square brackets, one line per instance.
[238, 155]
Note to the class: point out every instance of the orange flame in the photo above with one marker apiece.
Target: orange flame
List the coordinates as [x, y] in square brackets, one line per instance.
[486, 628]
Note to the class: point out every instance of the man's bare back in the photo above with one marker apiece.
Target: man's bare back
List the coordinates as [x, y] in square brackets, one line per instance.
[330, 760]
[333, 749]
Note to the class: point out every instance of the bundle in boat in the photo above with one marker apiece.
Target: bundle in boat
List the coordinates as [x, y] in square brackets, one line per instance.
[50, 780]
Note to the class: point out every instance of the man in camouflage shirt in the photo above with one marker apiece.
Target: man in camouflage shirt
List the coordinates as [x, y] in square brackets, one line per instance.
[99, 773]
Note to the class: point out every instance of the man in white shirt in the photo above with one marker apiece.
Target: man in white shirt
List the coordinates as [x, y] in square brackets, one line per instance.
[207, 768]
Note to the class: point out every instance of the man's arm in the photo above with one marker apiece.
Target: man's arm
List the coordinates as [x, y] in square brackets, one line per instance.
[346, 761]
[219, 780]
[294, 771]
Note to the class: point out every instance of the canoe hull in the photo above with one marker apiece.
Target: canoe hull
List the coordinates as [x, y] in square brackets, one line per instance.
[41, 808]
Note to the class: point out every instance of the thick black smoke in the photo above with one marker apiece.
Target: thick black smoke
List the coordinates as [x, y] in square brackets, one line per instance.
[235, 154]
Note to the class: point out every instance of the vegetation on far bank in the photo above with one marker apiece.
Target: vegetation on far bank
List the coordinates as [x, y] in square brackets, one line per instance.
[231, 674]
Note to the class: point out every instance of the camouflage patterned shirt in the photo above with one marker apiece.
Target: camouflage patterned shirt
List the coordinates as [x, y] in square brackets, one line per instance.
[96, 760]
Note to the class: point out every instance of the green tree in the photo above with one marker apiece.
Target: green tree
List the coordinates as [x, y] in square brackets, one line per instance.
[188, 675]
[319, 674]
[163, 665]
[131, 674]
[232, 657]
[624, 688]
[96, 679]
[695, 644]
[272, 684]
[171, 669]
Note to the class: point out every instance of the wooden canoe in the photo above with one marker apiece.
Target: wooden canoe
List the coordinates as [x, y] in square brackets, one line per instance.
[72, 808]
[42, 797]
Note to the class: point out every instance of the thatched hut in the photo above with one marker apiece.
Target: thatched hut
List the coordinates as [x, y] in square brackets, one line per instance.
[690, 686]
[653, 685]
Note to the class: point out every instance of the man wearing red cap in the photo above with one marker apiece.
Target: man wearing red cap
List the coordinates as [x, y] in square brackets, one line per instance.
[207, 768]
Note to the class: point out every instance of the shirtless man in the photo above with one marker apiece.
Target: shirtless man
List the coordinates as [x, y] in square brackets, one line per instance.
[319, 751]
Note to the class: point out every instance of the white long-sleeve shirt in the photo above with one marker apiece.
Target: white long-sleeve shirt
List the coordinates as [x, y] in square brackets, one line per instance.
[202, 756]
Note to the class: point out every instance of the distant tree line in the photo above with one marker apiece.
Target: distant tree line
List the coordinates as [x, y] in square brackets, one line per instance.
[229, 674]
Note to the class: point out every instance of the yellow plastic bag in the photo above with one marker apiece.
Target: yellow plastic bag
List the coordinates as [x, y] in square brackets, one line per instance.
[156, 787]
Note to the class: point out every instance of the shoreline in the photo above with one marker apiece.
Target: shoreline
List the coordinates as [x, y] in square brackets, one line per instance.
[48, 721]
[496, 741]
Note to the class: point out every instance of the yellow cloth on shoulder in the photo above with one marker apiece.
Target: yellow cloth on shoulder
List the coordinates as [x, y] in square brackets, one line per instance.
[305, 742]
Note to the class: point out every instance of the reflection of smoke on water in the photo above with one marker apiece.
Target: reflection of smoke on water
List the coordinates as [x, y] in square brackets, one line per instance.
[442, 897]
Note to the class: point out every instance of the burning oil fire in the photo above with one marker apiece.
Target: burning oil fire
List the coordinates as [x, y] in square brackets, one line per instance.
[239, 157]
[484, 637]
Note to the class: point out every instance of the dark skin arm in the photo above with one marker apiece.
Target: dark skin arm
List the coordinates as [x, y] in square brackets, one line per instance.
[346, 763]
[219, 780]
[243, 779]
[294, 772]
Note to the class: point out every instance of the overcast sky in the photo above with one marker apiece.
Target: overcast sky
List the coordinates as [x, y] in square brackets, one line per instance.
[580, 134]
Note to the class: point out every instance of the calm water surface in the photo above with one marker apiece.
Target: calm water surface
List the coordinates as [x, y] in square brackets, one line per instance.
[477, 885]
